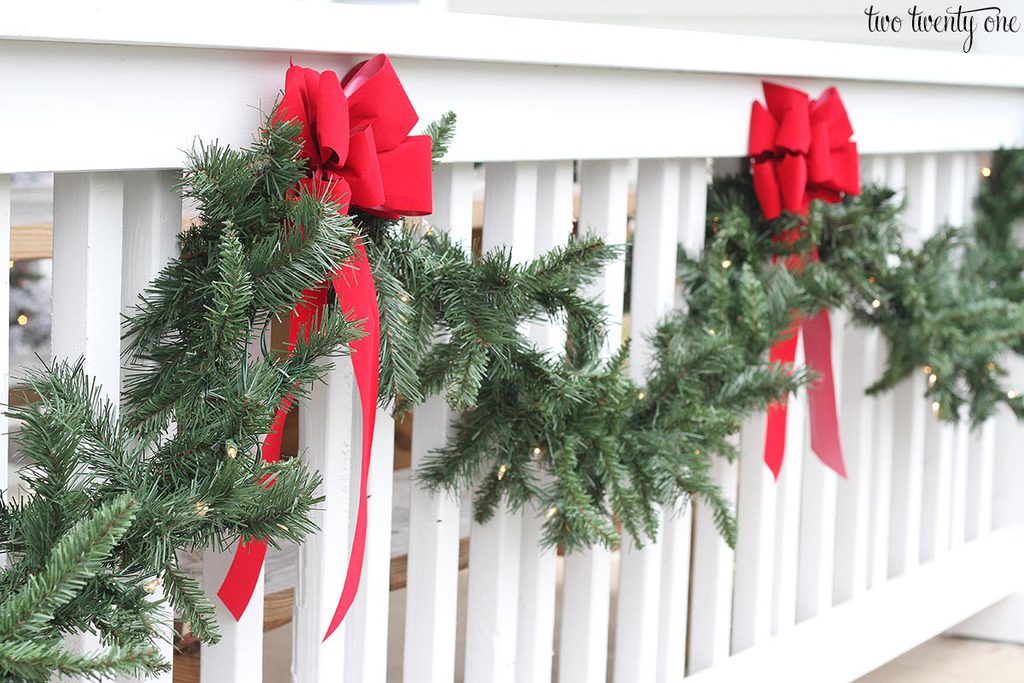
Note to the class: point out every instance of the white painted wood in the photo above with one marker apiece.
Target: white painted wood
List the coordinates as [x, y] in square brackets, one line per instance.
[981, 469]
[152, 222]
[677, 529]
[238, 657]
[5, 305]
[87, 224]
[87, 221]
[329, 430]
[788, 510]
[755, 546]
[858, 636]
[583, 641]
[510, 202]
[432, 587]
[818, 509]
[912, 408]
[1002, 622]
[366, 632]
[937, 487]
[504, 39]
[145, 84]
[536, 628]
[693, 204]
[958, 487]
[675, 592]
[711, 581]
[653, 294]
[881, 481]
[941, 437]
[857, 428]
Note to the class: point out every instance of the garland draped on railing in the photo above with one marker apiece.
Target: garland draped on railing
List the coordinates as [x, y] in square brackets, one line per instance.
[569, 436]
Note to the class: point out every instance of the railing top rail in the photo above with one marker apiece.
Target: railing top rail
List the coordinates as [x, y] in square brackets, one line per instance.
[409, 31]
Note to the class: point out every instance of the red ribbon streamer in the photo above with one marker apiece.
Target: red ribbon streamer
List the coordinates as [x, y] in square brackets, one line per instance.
[801, 150]
[355, 135]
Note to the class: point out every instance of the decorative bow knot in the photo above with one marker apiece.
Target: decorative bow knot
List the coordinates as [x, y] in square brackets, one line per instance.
[800, 150]
[355, 136]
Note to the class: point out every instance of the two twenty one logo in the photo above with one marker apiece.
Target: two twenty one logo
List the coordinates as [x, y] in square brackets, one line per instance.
[955, 20]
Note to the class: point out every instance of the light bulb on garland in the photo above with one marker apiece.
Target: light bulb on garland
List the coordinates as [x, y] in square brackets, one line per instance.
[502, 470]
[1012, 394]
[551, 512]
[935, 408]
[151, 585]
[876, 303]
[202, 509]
[231, 450]
[726, 264]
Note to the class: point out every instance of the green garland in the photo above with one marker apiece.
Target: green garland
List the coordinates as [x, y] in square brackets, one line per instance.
[114, 494]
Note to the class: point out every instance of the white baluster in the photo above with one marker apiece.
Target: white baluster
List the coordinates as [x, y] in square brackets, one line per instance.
[857, 420]
[881, 480]
[787, 514]
[583, 642]
[978, 448]
[366, 632]
[238, 656]
[981, 469]
[676, 536]
[857, 425]
[329, 430]
[909, 400]
[432, 589]
[892, 173]
[152, 222]
[653, 294]
[818, 515]
[536, 631]
[941, 437]
[87, 223]
[509, 212]
[711, 580]
[755, 547]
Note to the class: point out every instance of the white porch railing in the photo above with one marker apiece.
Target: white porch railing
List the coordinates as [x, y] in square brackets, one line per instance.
[831, 578]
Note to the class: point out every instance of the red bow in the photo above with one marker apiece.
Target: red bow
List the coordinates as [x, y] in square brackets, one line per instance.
[800, 150]
[355, 135]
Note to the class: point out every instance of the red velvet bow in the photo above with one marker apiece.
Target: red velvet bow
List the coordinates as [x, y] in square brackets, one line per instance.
[800, 150]
[355, 136]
